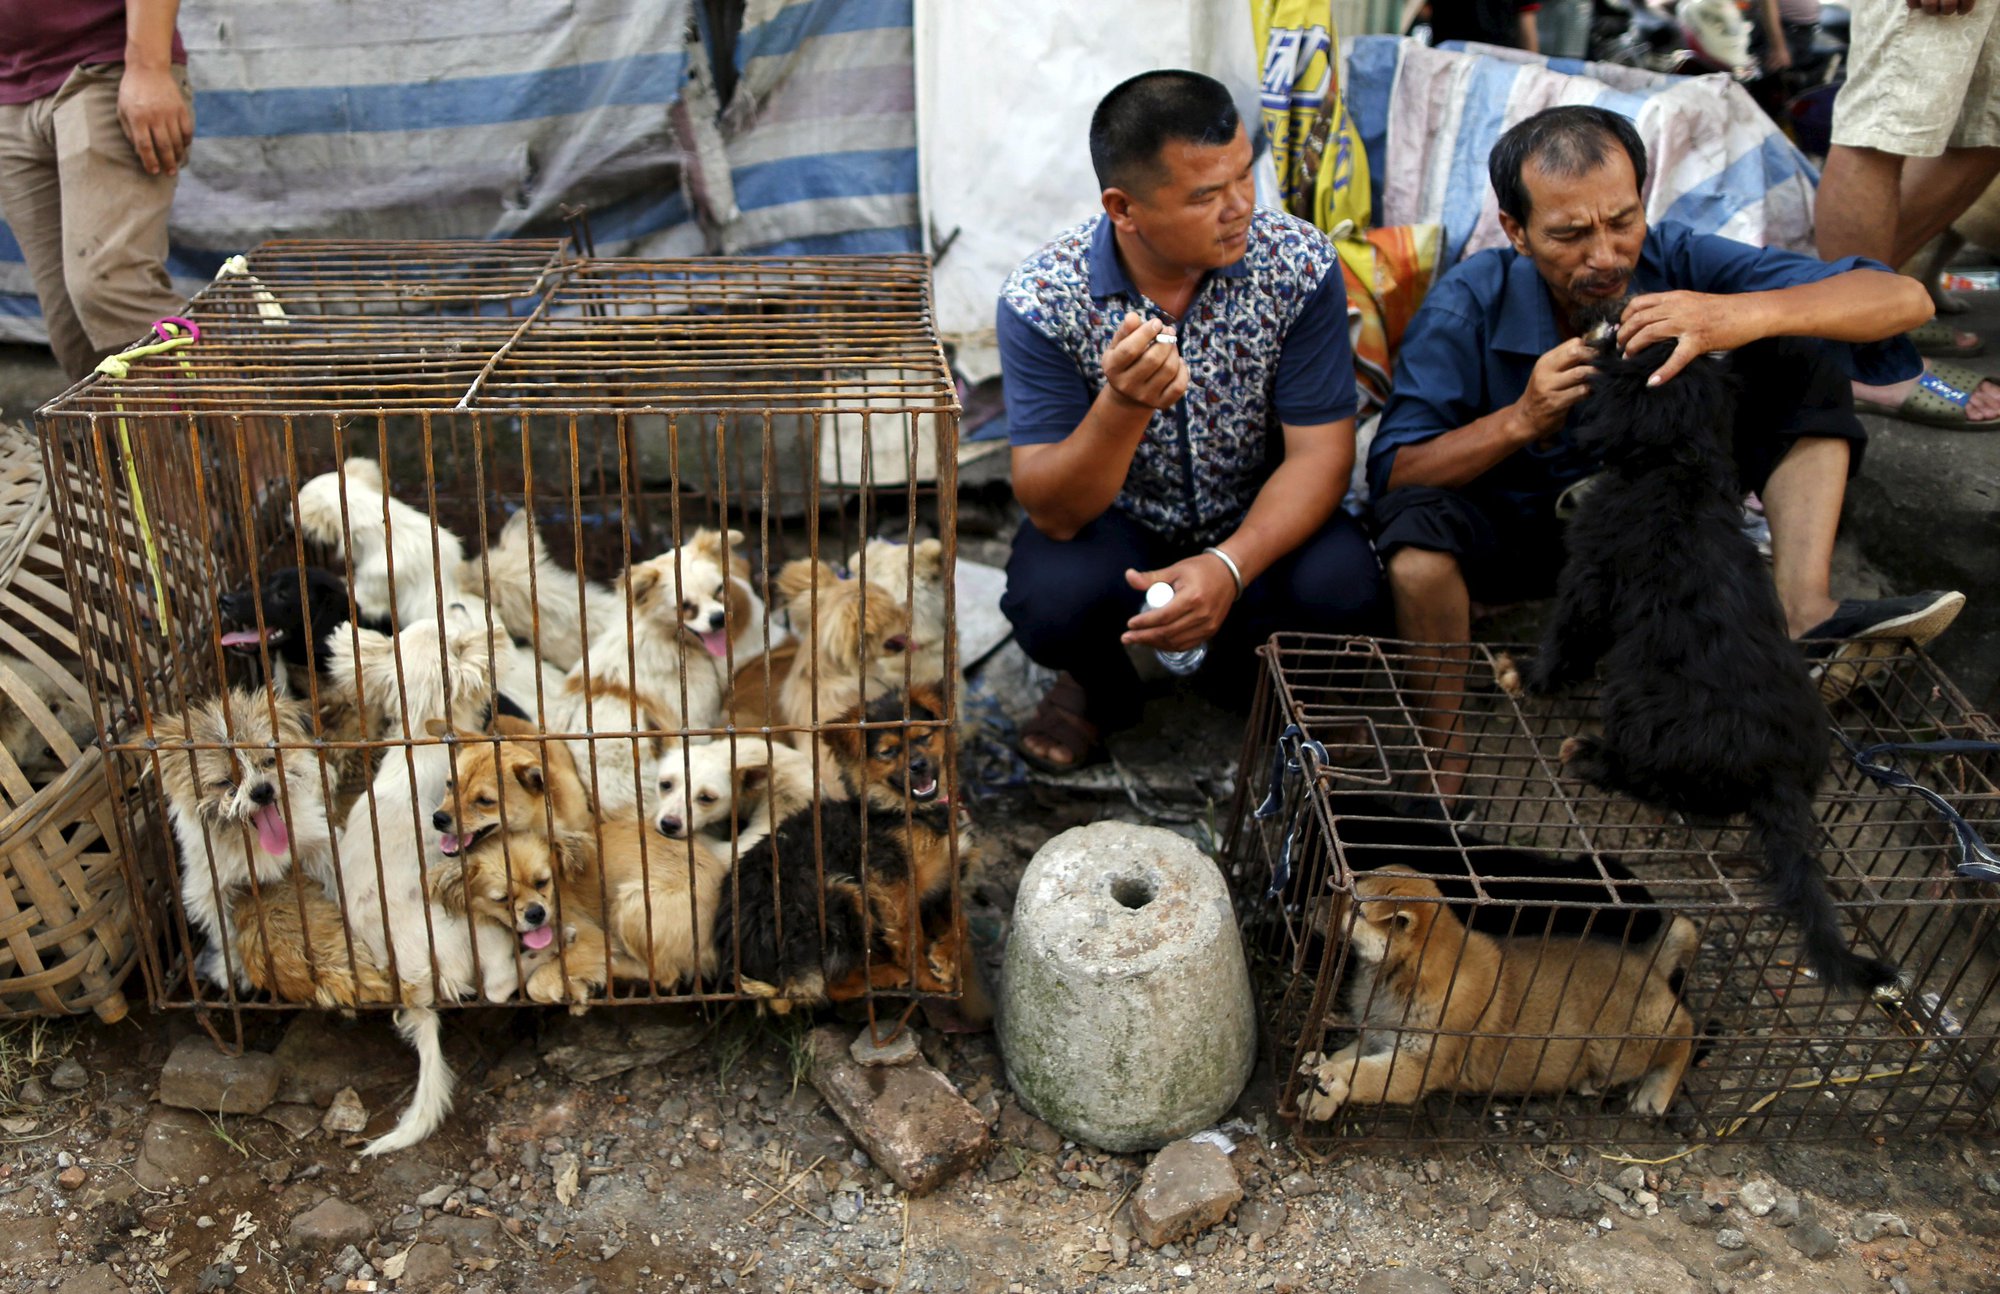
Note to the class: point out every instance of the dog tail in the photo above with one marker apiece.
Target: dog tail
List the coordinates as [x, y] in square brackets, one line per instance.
[1798, 889]
[421, 1028]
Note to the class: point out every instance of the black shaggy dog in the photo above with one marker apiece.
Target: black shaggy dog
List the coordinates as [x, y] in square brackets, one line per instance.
[1707, 708]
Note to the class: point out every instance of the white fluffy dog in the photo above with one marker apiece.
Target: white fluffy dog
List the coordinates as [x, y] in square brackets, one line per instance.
[520, 579]
[632, 677]
[745, 784]
[374, 530]
[242, 810]
[430, 672]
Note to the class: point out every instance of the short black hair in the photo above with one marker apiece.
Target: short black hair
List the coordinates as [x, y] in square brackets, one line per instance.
[1141, 116]
[1565, 141]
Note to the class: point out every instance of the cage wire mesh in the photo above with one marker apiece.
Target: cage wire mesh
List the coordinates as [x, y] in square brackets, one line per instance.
[734, 601]
[1608, 914]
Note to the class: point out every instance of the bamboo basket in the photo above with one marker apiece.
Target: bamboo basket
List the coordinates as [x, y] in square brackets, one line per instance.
[66, 932]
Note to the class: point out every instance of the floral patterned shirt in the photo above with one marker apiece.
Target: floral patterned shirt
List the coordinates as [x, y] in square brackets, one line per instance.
[1265, 340]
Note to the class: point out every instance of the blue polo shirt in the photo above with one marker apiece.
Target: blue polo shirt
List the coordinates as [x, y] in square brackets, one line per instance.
[1473, 346]
[1265, 340]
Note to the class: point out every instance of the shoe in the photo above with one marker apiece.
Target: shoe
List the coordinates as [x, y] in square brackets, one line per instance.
[1861, 634]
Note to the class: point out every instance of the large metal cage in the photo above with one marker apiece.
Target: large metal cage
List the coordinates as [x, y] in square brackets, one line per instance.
[1339, 785]
[629, 407]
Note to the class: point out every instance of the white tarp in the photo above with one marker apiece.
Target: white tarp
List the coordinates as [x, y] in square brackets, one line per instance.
[1004, 97]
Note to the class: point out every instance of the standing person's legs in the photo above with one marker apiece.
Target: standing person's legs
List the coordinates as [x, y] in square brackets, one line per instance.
[114, 231]
[1068, 603]
[1916, 137]
[31, 203]
[1330, 584]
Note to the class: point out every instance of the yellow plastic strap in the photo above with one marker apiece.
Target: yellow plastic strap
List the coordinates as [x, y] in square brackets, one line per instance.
[118, 367]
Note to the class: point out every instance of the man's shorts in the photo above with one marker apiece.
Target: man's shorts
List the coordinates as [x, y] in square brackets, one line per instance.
[1918, 83]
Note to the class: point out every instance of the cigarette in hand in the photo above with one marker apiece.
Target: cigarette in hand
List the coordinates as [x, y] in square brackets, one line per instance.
[1166, 335]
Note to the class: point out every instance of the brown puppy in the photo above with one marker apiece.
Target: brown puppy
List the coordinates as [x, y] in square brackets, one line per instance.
[1494, 1005]
[294, 946]
[522, 784]
[663, 897]
[753, 692]
[844, 637]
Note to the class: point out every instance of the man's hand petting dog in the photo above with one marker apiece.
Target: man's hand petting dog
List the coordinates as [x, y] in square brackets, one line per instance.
[1696, 322]
[1203, 593]
[1142, 371]
[1561, 379]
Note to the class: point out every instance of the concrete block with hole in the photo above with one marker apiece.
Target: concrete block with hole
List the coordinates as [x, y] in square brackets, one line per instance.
[1126, 1018]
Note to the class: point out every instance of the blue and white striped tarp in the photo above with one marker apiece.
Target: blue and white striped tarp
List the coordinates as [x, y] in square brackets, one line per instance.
[451, 119]
[1429, 118]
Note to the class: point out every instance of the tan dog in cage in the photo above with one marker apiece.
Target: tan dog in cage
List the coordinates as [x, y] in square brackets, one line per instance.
[1441, 1008]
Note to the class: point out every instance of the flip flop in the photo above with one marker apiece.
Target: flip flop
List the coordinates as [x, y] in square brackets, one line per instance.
[1060, 718]
[1939, 338]
[1939, 399]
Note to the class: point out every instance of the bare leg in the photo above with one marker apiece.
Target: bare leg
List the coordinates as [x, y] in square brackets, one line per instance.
[1433, 606]
[1936, 191]
[1802, 500]
[1858, 189]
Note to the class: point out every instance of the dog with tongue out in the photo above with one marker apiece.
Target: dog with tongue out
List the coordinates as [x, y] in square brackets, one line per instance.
[244, 793]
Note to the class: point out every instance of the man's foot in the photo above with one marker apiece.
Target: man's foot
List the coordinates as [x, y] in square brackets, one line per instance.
[1945, 396]
[1940, 338]
[1856, 639]
[1059, 738]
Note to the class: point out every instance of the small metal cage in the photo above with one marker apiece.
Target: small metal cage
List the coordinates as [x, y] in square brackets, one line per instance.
[1338, 785]
[626, 406]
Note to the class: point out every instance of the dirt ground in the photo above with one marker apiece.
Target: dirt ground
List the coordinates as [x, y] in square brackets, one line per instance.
[665, 1148]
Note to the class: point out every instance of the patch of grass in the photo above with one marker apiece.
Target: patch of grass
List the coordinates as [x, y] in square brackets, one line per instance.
[221, 1131]
[732, 1042]
[28, 1046]
[794, 1034]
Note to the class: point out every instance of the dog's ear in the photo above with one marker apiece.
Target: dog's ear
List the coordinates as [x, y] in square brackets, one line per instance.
[171, 727]
[926, 701]
[927, 560]
[731, 538]
[448, 886]
[530, 776]
[752, 780]
[570, 858]
[798, 576]
[439, 728]
[508, 725]
[640, 579]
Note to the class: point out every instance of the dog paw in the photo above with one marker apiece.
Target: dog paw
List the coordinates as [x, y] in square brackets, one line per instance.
[1648, 1101]
[1322, 1099]
[1570, 749]
[1507, 675]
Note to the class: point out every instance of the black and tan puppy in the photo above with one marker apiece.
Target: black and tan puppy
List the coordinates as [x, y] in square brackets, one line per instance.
[1707, 707]
[887, 881]
[1445, 1009]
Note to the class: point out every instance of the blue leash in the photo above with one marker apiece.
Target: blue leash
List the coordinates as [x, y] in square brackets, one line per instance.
[1976, 859]
[1288, 764]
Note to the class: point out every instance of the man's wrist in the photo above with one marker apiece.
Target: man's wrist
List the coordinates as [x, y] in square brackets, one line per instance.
[147, 60]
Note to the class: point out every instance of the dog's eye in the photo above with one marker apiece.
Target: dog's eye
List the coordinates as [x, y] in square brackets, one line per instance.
[484, 801]
[689, 608]
[542, 883]
[706, 797]
[270, 762]
[221, 784]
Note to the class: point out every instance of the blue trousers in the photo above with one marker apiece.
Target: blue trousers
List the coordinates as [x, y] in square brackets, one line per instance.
[1068, 602]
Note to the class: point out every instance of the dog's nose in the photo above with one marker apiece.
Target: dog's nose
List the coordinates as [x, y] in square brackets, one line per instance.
[669, 826]
[920, 766]
[715, 619]
[263, 793]
[441, 820]
[535, 915]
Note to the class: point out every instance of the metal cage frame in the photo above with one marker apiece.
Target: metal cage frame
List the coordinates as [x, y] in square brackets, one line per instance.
[1335, 737]
[805, 401]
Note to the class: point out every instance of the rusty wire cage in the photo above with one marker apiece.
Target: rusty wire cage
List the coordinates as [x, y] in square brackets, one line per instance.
[1579, 888]
[712, 452]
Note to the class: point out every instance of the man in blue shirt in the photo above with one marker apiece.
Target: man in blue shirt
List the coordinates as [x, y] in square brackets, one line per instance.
[1180, 401]
[1472, 453]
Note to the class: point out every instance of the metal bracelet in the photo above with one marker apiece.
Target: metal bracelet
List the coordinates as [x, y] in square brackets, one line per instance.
[1234, 573]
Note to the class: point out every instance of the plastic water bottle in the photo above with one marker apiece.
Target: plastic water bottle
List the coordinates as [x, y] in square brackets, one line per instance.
[1180, 663]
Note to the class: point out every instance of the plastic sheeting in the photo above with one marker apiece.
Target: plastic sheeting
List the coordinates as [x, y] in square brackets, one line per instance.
[448, 118]
[1429, 118]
